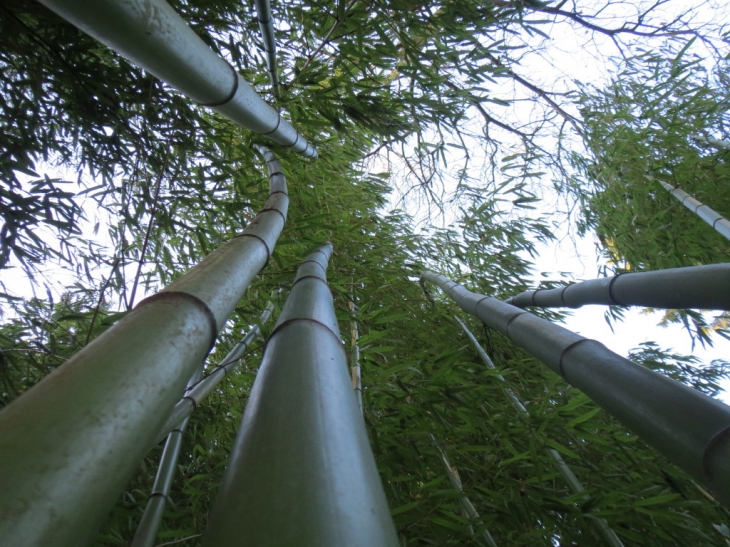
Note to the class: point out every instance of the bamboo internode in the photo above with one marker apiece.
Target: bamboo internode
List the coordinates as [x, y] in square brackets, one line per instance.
[701, 287]
[686, 426]
[302, 471]
[152, 35]
[710, 216]
[68, 445]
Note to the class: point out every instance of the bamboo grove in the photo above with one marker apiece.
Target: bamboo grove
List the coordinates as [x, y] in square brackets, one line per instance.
[373, 415]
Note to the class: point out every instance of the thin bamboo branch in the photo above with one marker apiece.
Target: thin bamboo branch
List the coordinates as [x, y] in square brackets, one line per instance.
[355, 371]
[717, 143]
[152, 35]
[196, 393]
[301, 470]
[69, 444]
[686, 426]
[604, 530]
[467, 508]
[266, 24]
[701, 287]
[710, 216]
[152, 516]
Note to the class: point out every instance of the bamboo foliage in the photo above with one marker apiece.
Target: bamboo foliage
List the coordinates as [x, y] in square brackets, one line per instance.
[101, 410]
[604, 530]
[302, 471]
[152, 35]
[688, 427]
[702, 287]
[717, 143]
[709, 215]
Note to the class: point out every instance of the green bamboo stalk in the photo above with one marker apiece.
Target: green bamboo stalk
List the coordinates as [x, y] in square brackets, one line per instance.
[152, 516]
[467, 508]
[152, 35]
[301, 471]
[702, 287]
[195, 394]
[266, 24]
[69, 444]
[602, 527]
[688, 427]
[710, 216]
[355, 371]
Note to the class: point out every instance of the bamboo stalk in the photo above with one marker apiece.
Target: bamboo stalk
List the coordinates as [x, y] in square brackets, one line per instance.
[69, 444]
[355, 371]
[467, 508]
[703, 287]
[152, 35]
[688, 427]
[717, 143]
[710, 216]
[152, 516]
[301, 470]
[604, 530]
[195, 393]
[266, 24]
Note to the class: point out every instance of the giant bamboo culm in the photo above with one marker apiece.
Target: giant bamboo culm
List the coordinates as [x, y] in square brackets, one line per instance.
[69, 444]
[301, 470]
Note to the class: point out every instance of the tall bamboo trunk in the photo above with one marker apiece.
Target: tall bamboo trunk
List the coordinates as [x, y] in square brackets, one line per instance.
[301, 471]
[152, 35]
[686, 426]
[701, 287]
[602, 527]
[69, 445]
[710, 216]
[717, 143]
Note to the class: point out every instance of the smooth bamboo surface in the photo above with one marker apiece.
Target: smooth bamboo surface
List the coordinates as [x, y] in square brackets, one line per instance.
[152, 35]
[69, 444]
[302, 472]
[689, 428]
[701, 287]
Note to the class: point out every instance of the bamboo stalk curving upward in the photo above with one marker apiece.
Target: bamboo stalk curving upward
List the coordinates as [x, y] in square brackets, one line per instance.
[686, 426]
[302, 471]
[69, 445]
[266, 24]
